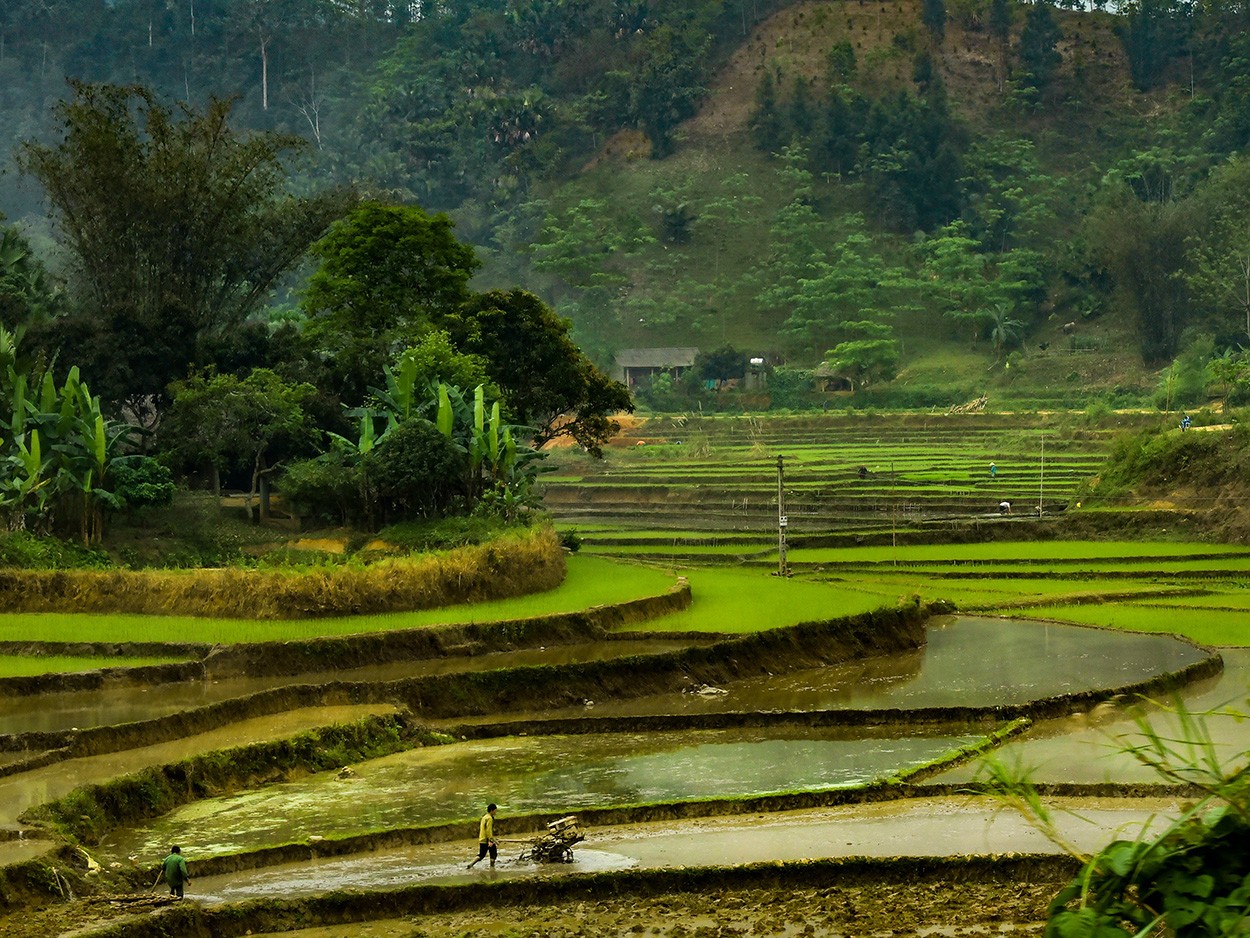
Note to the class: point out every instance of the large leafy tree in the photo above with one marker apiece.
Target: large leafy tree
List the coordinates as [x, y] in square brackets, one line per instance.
[387, 275]
[1142, 218]
[222, 422]
[1218, 272]
[178, 227]
[27, 294]
[868, 353]
[548, 384]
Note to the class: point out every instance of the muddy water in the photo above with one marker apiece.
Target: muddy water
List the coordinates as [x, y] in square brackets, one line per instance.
[19, 792]
[1092, 748]
[110, 707]
[968, 661]
[443, 784]
[916, 827]
[1016, 661]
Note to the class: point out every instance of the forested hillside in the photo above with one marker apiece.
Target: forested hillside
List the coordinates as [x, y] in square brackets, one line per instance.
[928, 196]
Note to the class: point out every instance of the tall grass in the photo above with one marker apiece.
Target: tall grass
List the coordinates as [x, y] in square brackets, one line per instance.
[512, 565]
[590, 582]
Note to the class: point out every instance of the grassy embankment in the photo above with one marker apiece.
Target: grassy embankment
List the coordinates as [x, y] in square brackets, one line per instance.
[588, 582]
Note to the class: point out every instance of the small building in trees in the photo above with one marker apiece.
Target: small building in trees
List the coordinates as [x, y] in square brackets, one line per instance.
[636, 365]
[756, 377]
[828, 380]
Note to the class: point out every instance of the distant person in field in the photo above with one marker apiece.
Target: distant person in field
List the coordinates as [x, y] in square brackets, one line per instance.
[1185, 422]
[1004, 508]
[993, 471]
[486, 836]
[174, 869]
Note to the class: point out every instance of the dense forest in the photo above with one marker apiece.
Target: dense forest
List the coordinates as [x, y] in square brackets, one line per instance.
[881, 187]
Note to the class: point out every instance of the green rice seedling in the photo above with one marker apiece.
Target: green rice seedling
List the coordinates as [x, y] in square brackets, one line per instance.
[1002, 551]
[1205, 626]
[30, 665]
[749, 600]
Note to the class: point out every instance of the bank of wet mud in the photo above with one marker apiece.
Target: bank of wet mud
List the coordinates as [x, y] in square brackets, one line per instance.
[827, 886]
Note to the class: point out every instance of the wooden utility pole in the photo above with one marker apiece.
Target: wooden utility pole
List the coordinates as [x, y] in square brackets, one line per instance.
[783, 569]
[1041, 479]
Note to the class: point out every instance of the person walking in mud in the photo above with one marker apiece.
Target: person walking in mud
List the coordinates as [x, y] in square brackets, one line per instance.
[174, 870]
[486, 836]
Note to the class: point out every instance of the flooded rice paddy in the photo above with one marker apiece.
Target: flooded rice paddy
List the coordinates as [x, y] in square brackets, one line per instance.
[1093, 748]
[110, 706]
[968, 661]
[528, 775]
[921, 827]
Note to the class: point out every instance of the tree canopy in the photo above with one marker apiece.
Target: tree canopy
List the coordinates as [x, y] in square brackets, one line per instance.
[547, 382]
[177, 225]
[387, 274]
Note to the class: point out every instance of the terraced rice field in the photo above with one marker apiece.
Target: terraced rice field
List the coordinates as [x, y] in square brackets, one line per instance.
[387, 762]
[719, 475]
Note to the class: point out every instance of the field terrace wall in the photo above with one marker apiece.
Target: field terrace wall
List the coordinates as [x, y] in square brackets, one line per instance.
[469, 694]
[349, 907]
[464, 694]
[898, 786]
[286, 658]
[268, 659]
[806, 645]
[90, 812]
[260, 659]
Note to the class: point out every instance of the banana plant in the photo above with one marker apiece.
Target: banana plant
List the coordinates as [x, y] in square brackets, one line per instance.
[401, 398]
[26, 481]
[367, 437]
[496, 460]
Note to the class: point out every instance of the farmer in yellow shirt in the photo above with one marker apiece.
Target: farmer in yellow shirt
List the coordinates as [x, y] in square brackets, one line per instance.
[486, 836]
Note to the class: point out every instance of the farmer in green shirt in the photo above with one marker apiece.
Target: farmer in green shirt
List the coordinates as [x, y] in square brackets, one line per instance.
[175, 871]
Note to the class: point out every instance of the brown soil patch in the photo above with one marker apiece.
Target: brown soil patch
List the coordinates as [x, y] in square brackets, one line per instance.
[629, 425]
[944, 907]
[623, 145]
[963, 908]
[326, 545]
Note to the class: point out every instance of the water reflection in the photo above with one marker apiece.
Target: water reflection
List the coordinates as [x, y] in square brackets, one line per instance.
[443, 784]
[56, 712]
[968, 662]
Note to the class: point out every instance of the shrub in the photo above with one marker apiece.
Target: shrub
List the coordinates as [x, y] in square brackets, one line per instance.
[791, 387]
[325, 489]
[1158, 457]
[442, 533]
[142, 482]
[19, 549]
[416, 472]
